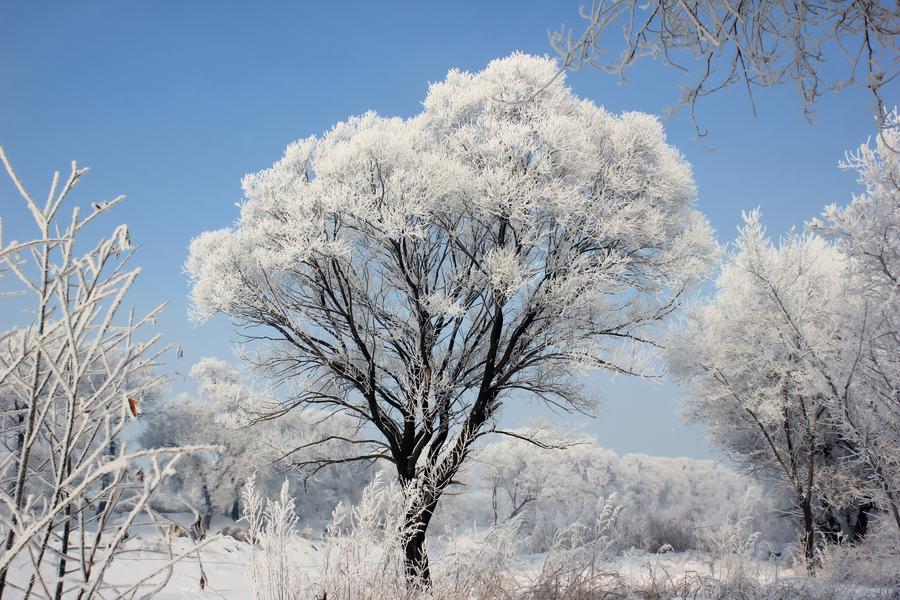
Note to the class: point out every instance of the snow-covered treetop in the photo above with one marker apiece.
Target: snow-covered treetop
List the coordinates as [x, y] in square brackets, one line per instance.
[499, 144]
[868, 229]
[775, 311]
[418, 270]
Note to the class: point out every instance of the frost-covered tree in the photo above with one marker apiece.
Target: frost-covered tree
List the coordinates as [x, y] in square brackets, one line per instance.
[770, 362]
[418, 273]
[867, 233]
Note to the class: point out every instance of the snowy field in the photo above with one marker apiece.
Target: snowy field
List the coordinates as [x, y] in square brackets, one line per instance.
[222, 567]
[221, 563]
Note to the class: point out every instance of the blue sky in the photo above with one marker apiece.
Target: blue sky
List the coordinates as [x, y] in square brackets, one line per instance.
[172, 102]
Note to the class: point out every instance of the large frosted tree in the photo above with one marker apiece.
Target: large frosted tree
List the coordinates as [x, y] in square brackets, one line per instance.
[751, 356]
[418, 273]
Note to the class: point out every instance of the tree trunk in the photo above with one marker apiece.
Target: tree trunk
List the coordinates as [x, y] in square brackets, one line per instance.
[201, 525]
[111, 453]
[494, 499]
[809, 533]
[418, 571]
[415, 552]
[860, 526]
[236, 509]
[835, 524]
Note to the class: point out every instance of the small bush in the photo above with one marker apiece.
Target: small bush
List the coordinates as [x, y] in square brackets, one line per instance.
[874, 562]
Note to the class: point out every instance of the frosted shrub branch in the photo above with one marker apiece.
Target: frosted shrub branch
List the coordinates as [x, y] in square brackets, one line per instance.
[720, 43]
[71, 381]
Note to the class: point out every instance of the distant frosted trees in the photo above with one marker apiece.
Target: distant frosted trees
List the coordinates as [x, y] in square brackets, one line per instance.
[210, 481]
[225, 417]
[415, 273]
[582, 494]
[793, 362]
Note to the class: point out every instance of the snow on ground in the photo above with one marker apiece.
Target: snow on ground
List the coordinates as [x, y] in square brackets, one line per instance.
[225, 561]
[222, 560]
[222, 564]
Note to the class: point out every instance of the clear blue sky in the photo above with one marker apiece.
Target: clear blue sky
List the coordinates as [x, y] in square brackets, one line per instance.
[172, 102]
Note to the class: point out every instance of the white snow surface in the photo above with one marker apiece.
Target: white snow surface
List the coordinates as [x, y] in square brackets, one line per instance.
[222, 564]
